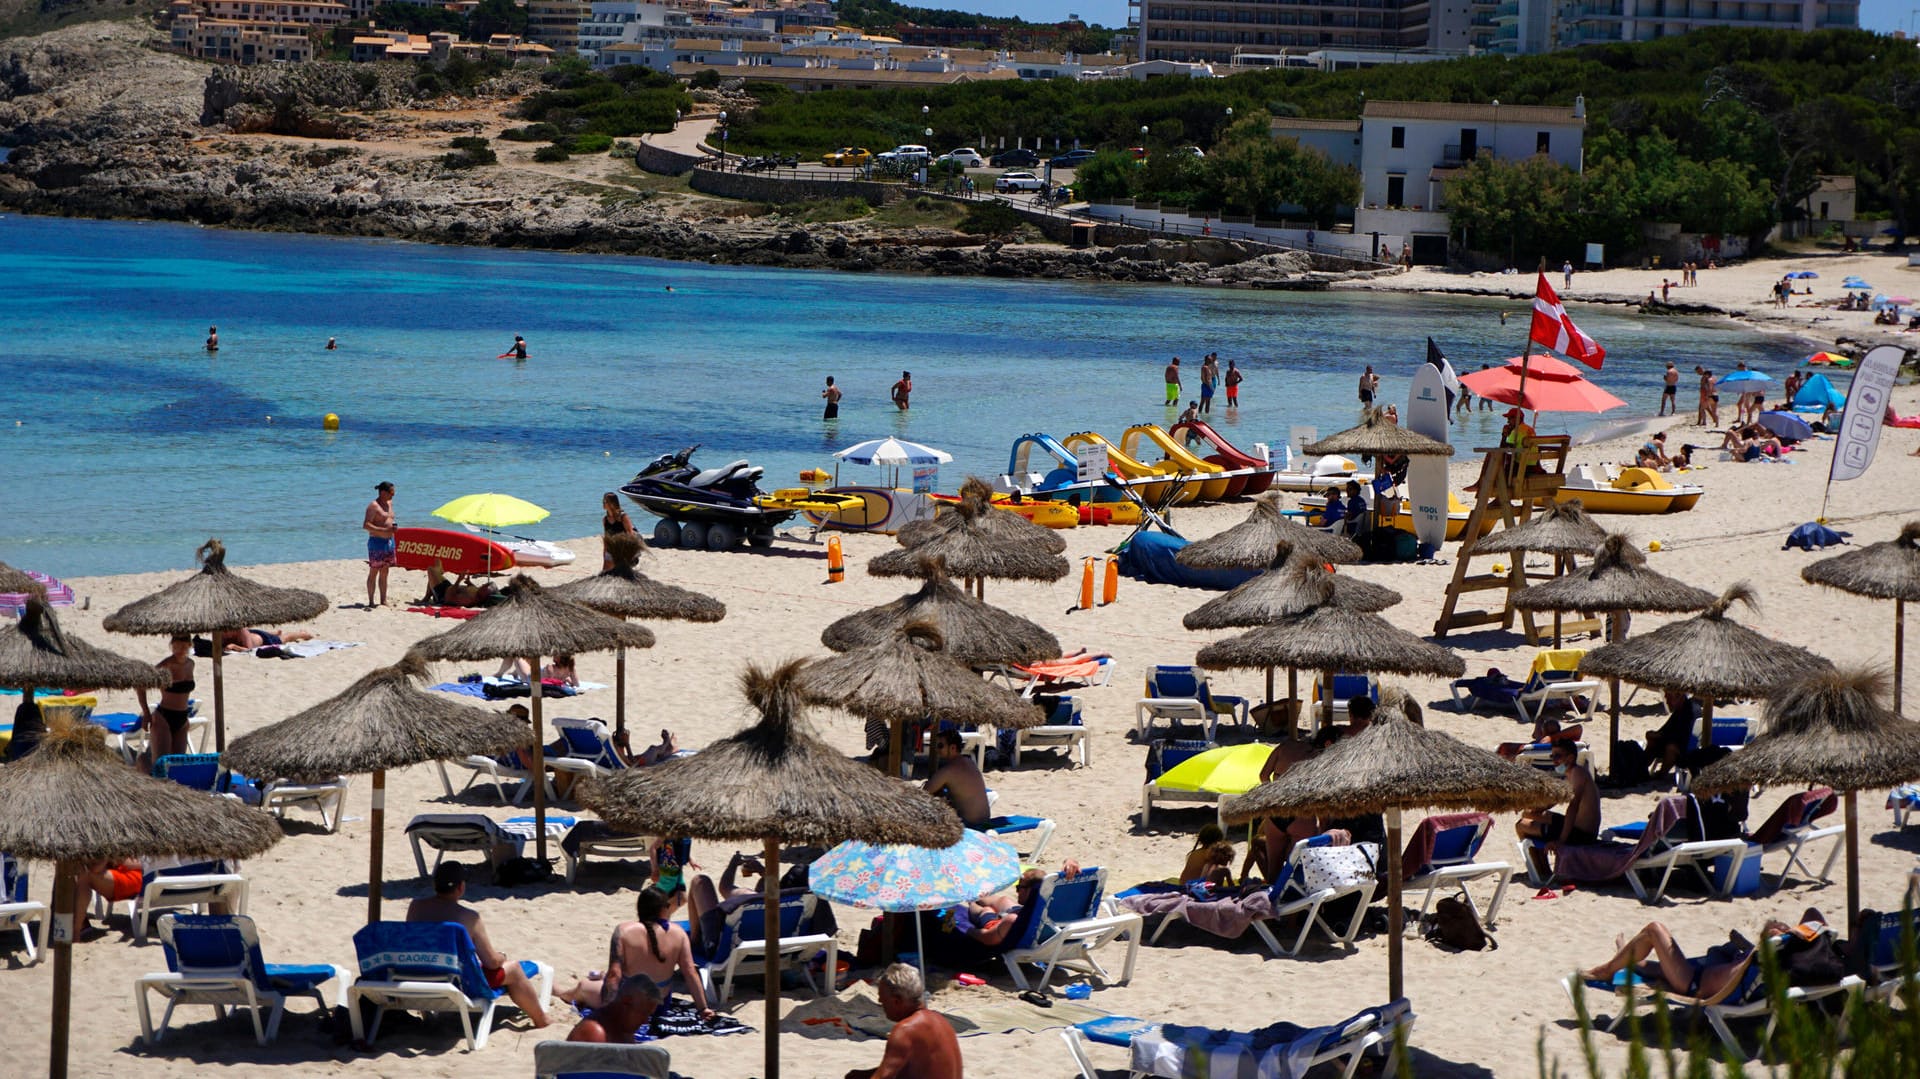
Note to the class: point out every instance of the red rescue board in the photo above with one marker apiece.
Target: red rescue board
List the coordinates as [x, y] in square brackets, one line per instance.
[457, 552]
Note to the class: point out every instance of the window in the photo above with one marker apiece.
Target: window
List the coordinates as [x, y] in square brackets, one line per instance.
[1399, 139]
[1542, 142]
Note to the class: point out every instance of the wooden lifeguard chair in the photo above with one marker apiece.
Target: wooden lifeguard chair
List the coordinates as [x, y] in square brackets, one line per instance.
[1512, 482]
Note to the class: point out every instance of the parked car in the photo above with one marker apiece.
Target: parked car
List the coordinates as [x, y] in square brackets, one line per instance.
[847, 157]
[908, 154]
[1072, 158]
[1015, 159]
[1019, 181]
[966, 157]
[1193, 151]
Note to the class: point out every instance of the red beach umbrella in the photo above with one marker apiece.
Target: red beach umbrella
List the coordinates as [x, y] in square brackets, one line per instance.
[1551, 386]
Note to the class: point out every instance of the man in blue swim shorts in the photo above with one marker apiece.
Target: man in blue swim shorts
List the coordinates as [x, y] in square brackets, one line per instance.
[378, 523]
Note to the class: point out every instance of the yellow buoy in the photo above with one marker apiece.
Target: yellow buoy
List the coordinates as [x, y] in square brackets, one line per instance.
[1653, 545]
[331, 423]
[1499, 567]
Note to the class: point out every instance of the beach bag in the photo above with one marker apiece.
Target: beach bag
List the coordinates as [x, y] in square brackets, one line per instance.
[1815, 961]
[1453, 925]
[517, 871]
[1338, 867]
[1629, 764]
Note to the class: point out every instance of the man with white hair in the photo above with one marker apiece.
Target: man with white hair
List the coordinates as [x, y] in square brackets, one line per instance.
[922, 1044]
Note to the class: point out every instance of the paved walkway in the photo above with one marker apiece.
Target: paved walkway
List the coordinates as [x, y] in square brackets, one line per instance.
[686, 136]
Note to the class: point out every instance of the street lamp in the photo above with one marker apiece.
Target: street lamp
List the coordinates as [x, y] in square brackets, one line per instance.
[723, 141]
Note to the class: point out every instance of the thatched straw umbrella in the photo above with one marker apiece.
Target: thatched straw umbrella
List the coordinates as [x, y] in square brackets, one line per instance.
[74, 801]
[384, 720]
[214, 601]
[1250, 544]
[532, 624]
[36, 654]
[974, 632]
[1829, 728]
[1707, 656]
[1011, 527]
[13, 580]
[977, 545]
[1390, 766]
[1289, 586]
[1374, 436]
[1889, 570]
[777, 783]
[1328, 639]
[624, 592]
[908, 678]
[1561, 529]
[1616, 580]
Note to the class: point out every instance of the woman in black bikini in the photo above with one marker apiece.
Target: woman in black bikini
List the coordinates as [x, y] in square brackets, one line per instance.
[613, 522]
[1660, 962]
[170, 734]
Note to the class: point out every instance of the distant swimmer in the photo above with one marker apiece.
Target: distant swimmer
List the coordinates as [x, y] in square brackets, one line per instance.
[213, 338]
[832, 396]
[669, 288]
[902, 390]
[331, 345]
[518, 351]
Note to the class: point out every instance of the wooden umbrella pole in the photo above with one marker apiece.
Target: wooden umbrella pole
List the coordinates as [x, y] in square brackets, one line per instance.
[620, 690]
[770, 885]
[895, 736]
[539, 763]
[1613, 693]
[1396, 915]
[1706, 723]
[1293, 702]
[1899, 652]
[1269, 689]
[376, 859]
[1326, 698]
[1853, 857]
[219, 699]
[63, 929]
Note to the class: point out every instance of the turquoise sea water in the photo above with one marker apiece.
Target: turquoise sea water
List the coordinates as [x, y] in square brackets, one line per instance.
[125, 444]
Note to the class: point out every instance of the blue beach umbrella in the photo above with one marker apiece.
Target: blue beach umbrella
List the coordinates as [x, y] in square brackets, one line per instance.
[903, 879]
[1855, 282]
[1803, 274]
[1745, 376]
[1786, 425]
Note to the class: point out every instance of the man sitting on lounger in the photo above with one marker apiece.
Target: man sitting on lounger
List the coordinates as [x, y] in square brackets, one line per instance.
[616, 1023]
[708, 904]
[922, 1044]
[960, 781]
[449, 887]
[1578, 826]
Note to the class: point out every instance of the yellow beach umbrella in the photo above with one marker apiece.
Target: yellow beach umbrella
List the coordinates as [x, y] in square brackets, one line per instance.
[490, 511]
[1223, 770]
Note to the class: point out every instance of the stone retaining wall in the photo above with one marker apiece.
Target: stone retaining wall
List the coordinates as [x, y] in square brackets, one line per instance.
[778, 189]
[665, 162]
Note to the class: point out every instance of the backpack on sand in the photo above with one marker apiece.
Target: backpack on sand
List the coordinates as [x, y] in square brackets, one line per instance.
[1454, 925]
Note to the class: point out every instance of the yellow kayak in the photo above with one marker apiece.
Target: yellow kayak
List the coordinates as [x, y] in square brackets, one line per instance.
[804, 500]
[1633, 490]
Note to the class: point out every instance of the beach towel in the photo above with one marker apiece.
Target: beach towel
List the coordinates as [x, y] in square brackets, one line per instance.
[1812, 536]
[447, 612]
[1793, 814]
[1594, 863]
[1228, 918]
[494, 689]
[301, 649]
[1420, 845]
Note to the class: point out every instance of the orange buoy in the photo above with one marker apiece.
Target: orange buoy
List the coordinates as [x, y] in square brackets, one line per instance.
[1110, 588]
[1086, 583]
[836, 562]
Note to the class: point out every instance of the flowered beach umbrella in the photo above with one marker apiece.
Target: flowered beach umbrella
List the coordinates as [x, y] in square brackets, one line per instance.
[904, 879]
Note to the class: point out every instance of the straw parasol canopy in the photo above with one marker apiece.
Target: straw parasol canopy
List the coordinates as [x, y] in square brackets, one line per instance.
[624, 592]
[13, 580]
[35, 653]
[212, 601]
[971, 549]
[1707, 655]
[1889, 570]
[973, 632]
[1289, 586]
[1010, 527]
[1616, 580]
[532, 624]
[777, 783]
[1390, 766]
[384, 720]
[1559, 528]
[1831, 728]
[1332, 638]
[1250, 544]
[908, 678]
[74, 801]
[1374, 436]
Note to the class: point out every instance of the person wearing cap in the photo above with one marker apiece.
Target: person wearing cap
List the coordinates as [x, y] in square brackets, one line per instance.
[378, 523]
[449, 887]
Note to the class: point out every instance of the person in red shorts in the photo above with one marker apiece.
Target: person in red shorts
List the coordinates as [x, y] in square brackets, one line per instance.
[115, 882]
[449, 886]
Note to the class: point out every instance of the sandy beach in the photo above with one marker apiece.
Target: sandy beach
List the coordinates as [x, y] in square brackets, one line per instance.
[1479, 1013]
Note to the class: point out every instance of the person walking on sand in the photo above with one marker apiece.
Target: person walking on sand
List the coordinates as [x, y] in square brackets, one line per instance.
[831, 395]
[1670, 391]
[1709, 400]
[378, 523]
[1233, 380]
[213, 338]
[1566, 274]
[1209, 374]
[902, 390]
[1173, 382]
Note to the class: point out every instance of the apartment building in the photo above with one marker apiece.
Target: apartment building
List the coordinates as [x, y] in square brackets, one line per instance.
[1536, 26]
[239, 42]
[556, 23]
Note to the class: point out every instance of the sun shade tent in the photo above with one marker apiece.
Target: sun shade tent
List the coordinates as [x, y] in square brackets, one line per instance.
[1888, 570]
[1616, 580]
[1251, 543]
[1391, 766]
[911, 677]
[972, 632]
[384, 720]
[622, 591]
[214, 601]
[73, 801]
[1708, 656]
[532, 624]
[1830, 728]
[776, 783]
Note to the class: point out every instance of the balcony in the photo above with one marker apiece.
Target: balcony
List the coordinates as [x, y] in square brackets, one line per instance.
[1509, 10]
[1506, 32]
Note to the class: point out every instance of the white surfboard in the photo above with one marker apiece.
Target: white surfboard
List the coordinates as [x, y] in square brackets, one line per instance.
[1427, 475]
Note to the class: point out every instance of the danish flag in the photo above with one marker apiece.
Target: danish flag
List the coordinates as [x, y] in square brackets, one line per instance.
[1552, 328]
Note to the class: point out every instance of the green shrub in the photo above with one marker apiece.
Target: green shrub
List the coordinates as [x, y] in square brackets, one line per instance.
[593, 142]
[467, 159]
[990, 219]
[469, 142]
[823, 211]
[551, 153]
[533, 133]
[706, 80]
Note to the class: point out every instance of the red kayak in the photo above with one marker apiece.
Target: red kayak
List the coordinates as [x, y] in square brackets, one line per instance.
[1226, 455]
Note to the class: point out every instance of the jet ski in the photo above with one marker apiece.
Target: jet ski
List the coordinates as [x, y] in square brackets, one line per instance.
[718, 508]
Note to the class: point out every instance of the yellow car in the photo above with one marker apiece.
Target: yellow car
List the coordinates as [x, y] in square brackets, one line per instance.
[847, 157]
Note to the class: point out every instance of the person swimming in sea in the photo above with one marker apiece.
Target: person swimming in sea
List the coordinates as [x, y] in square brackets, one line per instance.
[213, 338]
[519, 349]
[331, 345]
